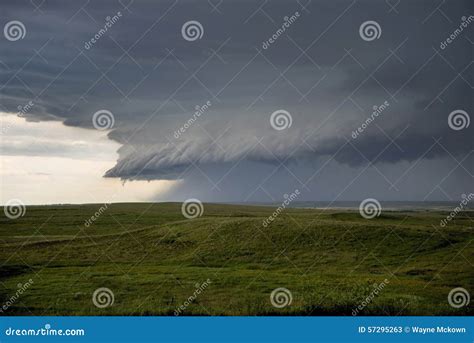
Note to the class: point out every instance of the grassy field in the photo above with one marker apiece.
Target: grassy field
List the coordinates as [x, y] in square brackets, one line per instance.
[153, 259]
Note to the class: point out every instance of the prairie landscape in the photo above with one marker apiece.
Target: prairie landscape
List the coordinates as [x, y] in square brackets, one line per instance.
[225, 262]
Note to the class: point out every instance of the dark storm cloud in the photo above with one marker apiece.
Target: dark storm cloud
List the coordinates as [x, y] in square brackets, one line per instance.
[151, 79]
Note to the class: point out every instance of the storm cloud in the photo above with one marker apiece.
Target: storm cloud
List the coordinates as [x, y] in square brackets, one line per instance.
[200, 110]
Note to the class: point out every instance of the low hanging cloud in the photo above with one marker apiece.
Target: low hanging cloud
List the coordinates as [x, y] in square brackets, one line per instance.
[320, 71]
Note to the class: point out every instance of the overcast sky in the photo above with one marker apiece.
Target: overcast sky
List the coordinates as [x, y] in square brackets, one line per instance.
[236, 66]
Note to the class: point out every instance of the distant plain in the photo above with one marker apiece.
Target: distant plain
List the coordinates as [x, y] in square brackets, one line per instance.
[152, 258]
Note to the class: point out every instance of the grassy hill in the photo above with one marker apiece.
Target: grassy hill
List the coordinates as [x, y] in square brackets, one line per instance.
[153, 259]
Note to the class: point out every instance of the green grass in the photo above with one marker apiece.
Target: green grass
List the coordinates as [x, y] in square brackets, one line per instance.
[151, 257]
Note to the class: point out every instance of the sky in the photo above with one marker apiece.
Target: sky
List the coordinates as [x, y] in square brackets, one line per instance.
[236, 101]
